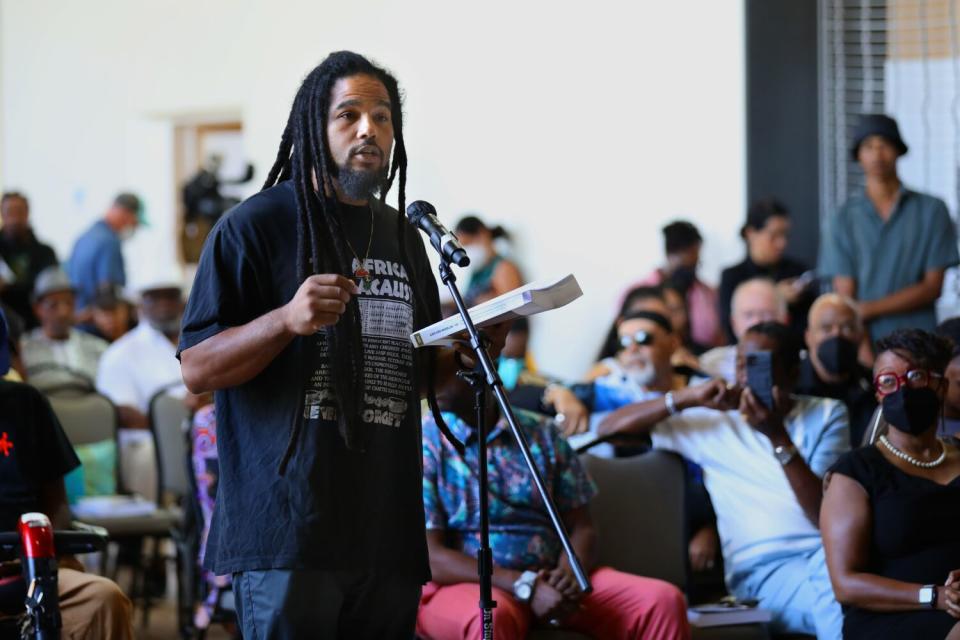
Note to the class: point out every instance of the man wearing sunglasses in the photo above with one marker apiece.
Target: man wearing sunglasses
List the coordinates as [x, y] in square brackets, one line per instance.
[641, 370]
[762, 467]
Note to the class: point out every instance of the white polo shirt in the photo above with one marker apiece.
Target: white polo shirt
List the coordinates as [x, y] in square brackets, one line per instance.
[757, 512]
[137, 365]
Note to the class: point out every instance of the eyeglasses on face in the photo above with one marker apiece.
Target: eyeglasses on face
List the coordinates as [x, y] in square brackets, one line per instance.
[889, 382]
[640, 338]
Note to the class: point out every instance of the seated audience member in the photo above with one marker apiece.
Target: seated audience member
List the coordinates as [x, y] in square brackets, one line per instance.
[55, 352]
[533, 582]
[682, 244]
[111, 315]
[639, 299]
[24, 256]
[950, 425]
[143, 361]
[97, 259]
[491, 274]
[640, 371]
[830, 369]
[890, 514]
[34, 456]
[754, 301]
[762, 468]
[133, 369]
[765, 233]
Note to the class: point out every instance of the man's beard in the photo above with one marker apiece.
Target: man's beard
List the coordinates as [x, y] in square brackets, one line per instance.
[641, 375]
[360, 184]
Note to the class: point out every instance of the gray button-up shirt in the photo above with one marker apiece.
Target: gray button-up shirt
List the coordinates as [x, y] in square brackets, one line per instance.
[884, 257]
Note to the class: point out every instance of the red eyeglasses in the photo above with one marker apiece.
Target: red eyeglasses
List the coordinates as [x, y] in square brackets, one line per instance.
[889, 382]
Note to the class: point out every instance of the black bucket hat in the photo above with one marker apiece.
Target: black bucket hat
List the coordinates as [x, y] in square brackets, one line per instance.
[877, 124]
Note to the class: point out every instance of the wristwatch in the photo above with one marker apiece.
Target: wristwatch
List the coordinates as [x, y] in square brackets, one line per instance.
[928, 595]
[785, 454]
[523, 587]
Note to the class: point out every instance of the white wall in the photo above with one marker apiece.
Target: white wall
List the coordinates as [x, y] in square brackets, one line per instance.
[583, 130]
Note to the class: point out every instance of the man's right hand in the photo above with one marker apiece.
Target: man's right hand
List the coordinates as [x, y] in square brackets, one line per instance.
[713, 394]
[319, 302]
[548, 603]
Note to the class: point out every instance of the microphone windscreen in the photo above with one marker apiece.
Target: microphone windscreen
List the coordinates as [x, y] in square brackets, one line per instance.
[418, 209]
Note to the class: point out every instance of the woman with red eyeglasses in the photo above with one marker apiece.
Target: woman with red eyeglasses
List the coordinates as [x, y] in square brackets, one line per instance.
[890, 517]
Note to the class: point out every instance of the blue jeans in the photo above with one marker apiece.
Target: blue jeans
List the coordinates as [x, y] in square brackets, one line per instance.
[311, 603]
[795, 588]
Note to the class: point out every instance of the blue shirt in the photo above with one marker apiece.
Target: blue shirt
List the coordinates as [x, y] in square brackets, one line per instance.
[885, 257]
[521, 534]
[97, 260]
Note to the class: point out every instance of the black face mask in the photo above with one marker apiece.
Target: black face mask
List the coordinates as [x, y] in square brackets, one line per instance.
[912, 411]
[838, 355]
[683, 278]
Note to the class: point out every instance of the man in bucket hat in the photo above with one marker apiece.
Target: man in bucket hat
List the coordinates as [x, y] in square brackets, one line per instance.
[888, 246]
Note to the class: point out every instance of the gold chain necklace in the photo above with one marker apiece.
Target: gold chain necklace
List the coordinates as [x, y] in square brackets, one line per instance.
[361, 272]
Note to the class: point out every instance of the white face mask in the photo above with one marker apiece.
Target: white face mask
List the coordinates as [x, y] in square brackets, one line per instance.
[126, 233]
[478, 254]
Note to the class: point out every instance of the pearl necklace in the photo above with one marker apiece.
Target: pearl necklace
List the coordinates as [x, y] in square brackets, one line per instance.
[903, 455]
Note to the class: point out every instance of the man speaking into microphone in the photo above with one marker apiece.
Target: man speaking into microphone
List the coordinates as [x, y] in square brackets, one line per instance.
[299, 320]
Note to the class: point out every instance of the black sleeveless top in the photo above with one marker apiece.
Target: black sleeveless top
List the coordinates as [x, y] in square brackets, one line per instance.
[915, 537]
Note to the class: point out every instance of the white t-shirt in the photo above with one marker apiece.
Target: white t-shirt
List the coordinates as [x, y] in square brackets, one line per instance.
[757, 511]
[720, 362]
[138, 365]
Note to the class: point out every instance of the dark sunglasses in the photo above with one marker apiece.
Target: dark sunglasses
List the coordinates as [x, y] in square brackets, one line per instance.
[640, 338]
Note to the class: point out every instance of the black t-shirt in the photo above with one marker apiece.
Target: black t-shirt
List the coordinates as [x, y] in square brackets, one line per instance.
[334, 508]
[34, 450]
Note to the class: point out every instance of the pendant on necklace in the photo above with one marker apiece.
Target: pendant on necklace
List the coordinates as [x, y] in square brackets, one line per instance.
[363, 275]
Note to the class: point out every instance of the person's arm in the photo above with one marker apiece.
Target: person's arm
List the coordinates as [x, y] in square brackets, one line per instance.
[806, 485]
[450, 566]
[132, 418]
[640, 418]
[845, 286]
[53, 502]
[238, 354]
[916, 296]
[506, 277]
[583, 539]
[846, 520]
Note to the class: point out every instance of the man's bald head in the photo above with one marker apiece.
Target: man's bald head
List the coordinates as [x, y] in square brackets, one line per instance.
[756, 301]
[835, 303]
[832, 315]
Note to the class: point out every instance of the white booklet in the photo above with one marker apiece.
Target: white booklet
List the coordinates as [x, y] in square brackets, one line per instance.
[527, 300]
[724, 614]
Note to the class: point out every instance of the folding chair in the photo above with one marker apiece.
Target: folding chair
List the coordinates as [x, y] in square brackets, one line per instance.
[89, 417]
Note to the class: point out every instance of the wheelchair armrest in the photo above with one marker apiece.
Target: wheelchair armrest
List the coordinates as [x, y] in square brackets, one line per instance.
[83, 538]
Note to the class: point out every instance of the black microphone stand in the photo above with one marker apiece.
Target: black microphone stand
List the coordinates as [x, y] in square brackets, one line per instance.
[482, 377]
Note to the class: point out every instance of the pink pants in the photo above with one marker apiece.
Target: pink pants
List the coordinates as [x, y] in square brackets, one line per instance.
[620, 606]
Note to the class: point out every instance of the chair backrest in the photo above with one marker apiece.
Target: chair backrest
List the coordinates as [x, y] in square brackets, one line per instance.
[639, 514]
[169, 422]
[87, 417]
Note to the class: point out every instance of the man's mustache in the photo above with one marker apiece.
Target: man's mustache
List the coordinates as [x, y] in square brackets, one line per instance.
[367, 148]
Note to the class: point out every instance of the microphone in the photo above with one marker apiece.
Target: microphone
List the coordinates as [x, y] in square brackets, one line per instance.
[424, 216]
